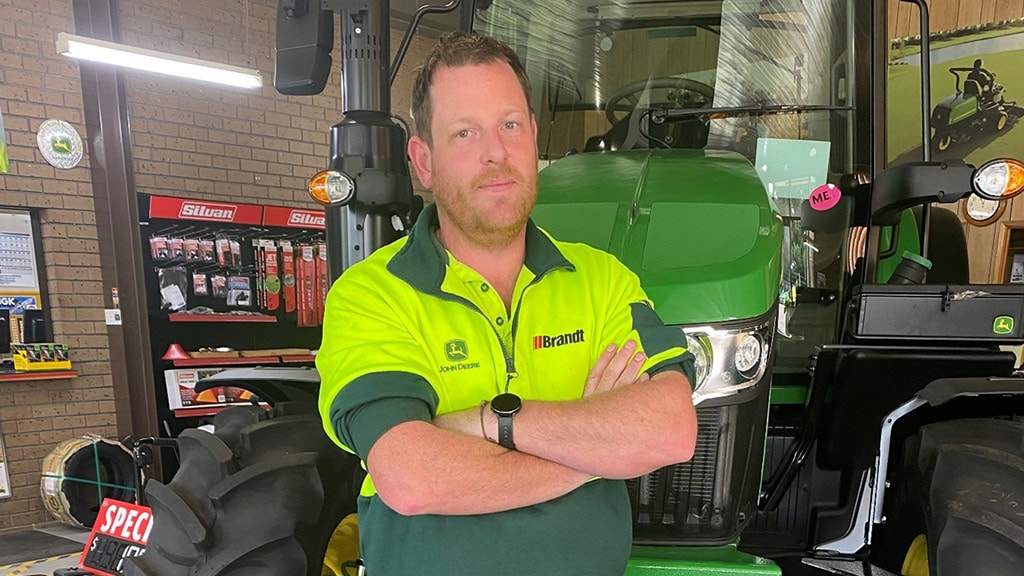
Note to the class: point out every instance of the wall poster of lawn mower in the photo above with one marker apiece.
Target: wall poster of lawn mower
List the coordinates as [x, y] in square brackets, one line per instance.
[976, 93]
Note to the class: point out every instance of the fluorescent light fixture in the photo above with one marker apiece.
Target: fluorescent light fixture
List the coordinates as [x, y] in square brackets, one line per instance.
[153, 61]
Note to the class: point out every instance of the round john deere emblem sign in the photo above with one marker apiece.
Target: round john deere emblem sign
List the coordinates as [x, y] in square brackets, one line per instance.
[60, 143]
[1002, 325]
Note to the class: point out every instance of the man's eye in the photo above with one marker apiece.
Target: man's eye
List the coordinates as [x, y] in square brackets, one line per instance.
[511, 125]
[462, 134]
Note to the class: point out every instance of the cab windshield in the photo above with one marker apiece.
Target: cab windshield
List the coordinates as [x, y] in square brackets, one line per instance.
[688, 74]
[771, 80]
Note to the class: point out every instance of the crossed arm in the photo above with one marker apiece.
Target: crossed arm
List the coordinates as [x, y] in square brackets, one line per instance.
[627, 424]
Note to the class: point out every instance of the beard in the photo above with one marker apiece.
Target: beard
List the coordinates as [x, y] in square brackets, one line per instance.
[489, 221]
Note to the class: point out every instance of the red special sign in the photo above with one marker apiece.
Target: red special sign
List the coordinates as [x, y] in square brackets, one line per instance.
[293, 218]
[186, 209]
[120, 532]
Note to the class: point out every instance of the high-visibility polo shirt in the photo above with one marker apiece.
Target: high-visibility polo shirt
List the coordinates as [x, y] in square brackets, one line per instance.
[411, 333]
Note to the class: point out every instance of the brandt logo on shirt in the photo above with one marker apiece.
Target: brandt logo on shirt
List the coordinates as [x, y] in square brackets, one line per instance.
[542, 341]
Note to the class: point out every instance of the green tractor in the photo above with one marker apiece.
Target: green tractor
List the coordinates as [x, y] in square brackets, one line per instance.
[978, 104]
[856, 412]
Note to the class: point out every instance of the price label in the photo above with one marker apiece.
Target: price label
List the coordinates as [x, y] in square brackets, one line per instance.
[120, 532]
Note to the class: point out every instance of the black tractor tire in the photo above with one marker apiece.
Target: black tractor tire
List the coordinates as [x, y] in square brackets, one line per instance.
[261, 495]
[942, 141]
[961, 485]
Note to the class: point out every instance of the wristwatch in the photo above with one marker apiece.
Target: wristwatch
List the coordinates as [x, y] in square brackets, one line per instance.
[505, 407]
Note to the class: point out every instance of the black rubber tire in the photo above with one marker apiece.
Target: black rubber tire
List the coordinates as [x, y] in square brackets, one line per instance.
[116, 469]
[261, 495]
[963, 486]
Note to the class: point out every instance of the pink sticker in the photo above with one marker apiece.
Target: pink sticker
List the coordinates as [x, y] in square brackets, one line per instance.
[825, 197]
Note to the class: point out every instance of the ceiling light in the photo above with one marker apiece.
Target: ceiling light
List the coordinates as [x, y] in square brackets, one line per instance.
[153, 61]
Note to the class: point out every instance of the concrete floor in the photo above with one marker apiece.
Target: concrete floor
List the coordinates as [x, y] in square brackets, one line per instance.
[46, 566]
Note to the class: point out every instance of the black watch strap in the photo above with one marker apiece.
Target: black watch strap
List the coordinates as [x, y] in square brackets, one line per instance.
[505, 432]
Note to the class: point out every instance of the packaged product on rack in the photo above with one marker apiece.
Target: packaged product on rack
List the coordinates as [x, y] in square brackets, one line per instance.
[176, 247]
[323, 281]
[191, 249]
[305, 264]
[239, 294]
[219, 286]
[207, 251]
[199, 284]
[288, 276]
[223, 247]
[158, 248]
[173, 287]
[271, 280]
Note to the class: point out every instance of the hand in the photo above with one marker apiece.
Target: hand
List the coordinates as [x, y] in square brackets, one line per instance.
[616, 367]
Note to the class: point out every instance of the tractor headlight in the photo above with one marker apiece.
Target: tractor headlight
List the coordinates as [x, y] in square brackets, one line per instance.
[728, 359]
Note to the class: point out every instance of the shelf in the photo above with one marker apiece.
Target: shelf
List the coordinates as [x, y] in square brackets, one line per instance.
[242, 361]
[41, 375]
[197, 411]
[221, 318]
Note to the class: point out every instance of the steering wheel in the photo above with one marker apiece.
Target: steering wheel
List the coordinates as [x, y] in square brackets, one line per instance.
[626, 98]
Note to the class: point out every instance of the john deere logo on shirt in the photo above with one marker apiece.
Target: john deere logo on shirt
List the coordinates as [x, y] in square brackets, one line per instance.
[542, 341]
[1002, 325]
[456, 350]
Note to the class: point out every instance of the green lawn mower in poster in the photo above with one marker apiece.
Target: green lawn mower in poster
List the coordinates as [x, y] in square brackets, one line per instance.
[979, 104]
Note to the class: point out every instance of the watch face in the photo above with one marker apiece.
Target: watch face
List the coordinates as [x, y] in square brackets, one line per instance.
[506, 404]
[981, 211]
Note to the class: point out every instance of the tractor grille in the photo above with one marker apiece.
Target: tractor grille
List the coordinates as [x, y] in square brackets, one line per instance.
[681, 497]
[708, 499]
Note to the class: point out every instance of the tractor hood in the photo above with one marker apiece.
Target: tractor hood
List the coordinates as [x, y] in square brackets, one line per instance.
[696, 226]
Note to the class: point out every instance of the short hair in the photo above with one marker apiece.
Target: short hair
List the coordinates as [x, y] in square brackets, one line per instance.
[453, 50]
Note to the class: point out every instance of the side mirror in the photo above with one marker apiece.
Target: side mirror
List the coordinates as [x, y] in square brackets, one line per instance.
[305, 38]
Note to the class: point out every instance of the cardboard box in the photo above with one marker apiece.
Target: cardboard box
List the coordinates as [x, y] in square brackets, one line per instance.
[181, 389]
[42, 356]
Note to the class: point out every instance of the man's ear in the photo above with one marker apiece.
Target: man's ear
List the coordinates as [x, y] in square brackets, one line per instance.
[419, 154]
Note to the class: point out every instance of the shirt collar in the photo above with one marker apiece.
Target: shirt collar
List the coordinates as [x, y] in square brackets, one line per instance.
[423, 261]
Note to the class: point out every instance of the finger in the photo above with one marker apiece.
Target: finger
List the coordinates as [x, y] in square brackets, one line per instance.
[644, 377]
[597, 372]
[632, 371]
[619, 363]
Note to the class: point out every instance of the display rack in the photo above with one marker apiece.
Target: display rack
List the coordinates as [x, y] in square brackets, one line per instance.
[279, 306]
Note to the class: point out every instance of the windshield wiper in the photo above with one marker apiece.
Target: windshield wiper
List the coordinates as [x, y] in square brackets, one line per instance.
[660, 115]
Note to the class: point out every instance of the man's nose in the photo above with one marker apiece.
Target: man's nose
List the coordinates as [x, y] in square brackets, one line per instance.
[494, 149]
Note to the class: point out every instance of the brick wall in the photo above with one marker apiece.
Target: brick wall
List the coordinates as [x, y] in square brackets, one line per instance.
[34, 416]
[188, 140]
[201, 141]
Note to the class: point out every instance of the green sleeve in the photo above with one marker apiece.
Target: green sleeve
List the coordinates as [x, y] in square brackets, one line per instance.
[368, 358]
[656, 339]
[373, 404]
[630, 314]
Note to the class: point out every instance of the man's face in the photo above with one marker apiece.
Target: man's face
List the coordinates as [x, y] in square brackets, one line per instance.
[482, 164]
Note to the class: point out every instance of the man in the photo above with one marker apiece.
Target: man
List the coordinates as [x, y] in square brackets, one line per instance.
[479, 312]
[984, 78]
